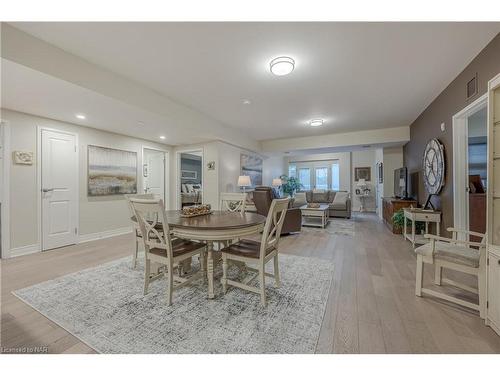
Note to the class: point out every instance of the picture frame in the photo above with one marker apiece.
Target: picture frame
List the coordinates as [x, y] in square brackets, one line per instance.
[380, 169]
[189, 175]
[362, 173]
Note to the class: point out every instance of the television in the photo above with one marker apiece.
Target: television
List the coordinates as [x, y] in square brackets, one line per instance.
[401, 183]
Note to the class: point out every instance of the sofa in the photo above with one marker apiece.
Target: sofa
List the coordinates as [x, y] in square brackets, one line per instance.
[339, 201]
[262, 199]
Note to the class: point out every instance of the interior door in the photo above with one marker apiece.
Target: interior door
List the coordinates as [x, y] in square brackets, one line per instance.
[59, 175]
[155, 180]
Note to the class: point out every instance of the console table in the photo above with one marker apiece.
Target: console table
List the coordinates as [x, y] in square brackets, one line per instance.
[392, 205]
[418, 214]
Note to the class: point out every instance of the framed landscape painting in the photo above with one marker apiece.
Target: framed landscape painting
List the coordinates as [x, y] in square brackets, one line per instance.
[111, 171]
[363, 173]
[251, 165]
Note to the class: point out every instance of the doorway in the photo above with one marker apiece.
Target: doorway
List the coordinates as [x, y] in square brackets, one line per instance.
[470, 166]
[154, 173]
[190, 178]
[58, 183]
[4, 189]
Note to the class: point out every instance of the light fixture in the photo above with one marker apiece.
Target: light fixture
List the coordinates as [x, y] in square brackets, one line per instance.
[244, 182]
[277, 182]
[281, 66]
[162, 137]
[316, 122]
[80, 116]
[246, 101]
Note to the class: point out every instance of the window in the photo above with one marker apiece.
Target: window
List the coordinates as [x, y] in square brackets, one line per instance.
[305, 178]
[292, 170]
[335, 177]
[322, 178]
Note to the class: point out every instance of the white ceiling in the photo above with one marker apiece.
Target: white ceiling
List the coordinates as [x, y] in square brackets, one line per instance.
[355, 75]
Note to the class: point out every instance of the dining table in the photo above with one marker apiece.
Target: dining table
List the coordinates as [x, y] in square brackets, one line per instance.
[218, 226]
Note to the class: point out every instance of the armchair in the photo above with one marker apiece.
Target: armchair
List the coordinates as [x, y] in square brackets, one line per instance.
[459, 255]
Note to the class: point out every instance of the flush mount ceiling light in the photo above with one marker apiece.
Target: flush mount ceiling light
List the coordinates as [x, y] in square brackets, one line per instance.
[246, 101]
[281, 66]
[316, 122]
[80, 116]
[162, 137]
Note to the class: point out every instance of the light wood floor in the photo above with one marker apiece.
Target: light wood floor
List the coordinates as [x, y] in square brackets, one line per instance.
[371, 308]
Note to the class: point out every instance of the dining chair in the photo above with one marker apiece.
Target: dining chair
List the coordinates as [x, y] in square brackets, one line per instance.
[258, 253]
[233, 202]
[135, 225]
[161, 247]
[462, 256]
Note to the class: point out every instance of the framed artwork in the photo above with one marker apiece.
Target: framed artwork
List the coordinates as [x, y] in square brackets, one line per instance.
[111, 171]
[380, 172]
[251, 165]
[23, 157]
[363, 172]
[189, 175]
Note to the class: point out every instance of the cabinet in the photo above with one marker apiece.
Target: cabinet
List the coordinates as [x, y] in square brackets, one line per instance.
[493, 206]
[392, 205]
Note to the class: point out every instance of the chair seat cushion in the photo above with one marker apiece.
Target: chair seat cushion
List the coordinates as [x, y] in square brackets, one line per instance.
[179, 247]
[245, 248]
[450, 252]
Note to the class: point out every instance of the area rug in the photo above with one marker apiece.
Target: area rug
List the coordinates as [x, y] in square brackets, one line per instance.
[106, 309]
[343, 227]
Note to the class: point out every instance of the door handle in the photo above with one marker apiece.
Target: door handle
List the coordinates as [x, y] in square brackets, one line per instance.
[47, 190]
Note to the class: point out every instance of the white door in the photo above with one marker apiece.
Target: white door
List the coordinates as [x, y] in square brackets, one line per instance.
[59, 166]
[155, 181]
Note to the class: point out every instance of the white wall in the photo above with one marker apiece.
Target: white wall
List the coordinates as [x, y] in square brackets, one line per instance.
[273, 167]
[393, 159]
[364, 159]
[344, 159]
[379, 187]
[97, 214]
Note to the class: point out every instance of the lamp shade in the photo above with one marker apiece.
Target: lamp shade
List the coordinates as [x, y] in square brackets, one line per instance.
[277, 182]
[361, 182]
[244, 181]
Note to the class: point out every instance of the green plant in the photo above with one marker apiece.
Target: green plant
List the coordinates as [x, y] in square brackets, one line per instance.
[290, 185]
[398, 222]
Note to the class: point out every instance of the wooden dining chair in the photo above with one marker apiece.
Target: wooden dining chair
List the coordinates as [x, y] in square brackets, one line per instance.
[135, 224]
[233, 202]
[258, 253]
[160, 247]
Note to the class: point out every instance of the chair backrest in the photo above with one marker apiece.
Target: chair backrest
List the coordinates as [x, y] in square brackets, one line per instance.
[273, 226]
[137, 196]
[234, 202]
[144, 210]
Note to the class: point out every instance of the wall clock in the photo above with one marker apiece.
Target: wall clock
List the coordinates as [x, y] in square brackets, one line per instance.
[434, 168]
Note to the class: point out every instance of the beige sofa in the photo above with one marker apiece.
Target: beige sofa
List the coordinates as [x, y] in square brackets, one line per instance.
[339, 201]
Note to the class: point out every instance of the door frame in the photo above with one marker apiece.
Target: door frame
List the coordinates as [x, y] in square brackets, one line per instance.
[40, 130]
[166, 171]
[178, 174]
[5, 227]
[460, 162]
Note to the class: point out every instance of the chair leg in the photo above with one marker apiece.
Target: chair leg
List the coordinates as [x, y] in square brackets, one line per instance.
[481, 281]
[419, 276]
[224, 274]
[262, 277]
[170, 283]
[147, 267]
[277, 279]
[203, 264]
[438, 271]
[134, 254]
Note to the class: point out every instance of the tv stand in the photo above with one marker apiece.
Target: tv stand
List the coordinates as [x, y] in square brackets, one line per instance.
[392, 205]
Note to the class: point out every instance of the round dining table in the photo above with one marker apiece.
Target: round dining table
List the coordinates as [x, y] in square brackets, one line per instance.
[214, 227]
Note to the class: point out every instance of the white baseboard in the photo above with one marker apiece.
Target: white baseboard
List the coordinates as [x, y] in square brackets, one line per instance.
[105, 234]
[24, 250]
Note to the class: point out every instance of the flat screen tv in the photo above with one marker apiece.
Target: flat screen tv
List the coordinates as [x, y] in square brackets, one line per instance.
[401, 183]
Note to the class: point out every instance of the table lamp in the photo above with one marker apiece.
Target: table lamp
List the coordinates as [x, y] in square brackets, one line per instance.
[277, 182]
[244, 182]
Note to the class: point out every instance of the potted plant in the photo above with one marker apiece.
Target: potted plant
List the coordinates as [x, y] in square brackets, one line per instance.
[290, 185]
[398, 222]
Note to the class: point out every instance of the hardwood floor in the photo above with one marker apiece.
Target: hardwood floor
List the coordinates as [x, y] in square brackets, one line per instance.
[372, 307]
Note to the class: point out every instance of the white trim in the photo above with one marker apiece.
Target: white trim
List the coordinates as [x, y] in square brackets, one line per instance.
[460, 162]
[24, 250]
[166, 181]
[5, 229]
[106, 234]
[39, 130]
[178, 174]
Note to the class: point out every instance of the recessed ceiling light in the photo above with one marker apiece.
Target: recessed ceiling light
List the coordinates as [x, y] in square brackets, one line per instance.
[246, 101]
[316, 122]
[140, 123]
[80, 116]
[281, 66]
[162, 137]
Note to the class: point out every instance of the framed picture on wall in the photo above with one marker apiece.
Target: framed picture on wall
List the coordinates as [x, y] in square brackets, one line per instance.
[251, 165]
[380, 169]
[363, 173]
[189, 175]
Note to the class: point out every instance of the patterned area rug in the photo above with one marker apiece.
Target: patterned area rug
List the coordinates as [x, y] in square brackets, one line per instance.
[105, 308]
[338, 226]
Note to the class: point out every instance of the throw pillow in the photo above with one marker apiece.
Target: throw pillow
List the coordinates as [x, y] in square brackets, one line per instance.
[300, 200]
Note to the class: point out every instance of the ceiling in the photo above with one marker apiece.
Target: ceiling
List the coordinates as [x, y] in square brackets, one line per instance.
[356, 76]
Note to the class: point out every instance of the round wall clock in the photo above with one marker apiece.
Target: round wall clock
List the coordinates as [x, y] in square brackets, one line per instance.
[433, 166]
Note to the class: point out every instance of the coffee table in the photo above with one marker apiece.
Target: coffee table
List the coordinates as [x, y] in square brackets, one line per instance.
[315, 217]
